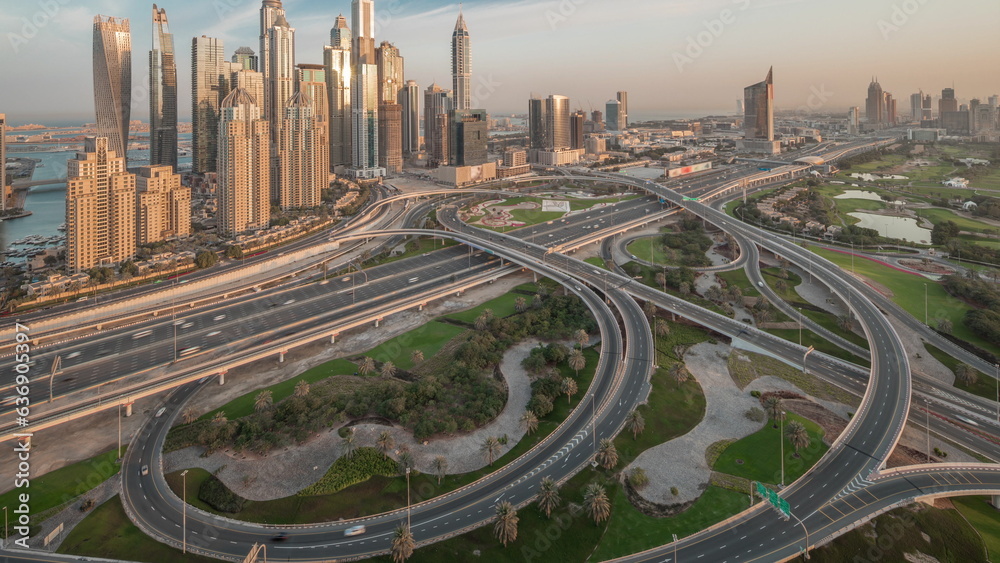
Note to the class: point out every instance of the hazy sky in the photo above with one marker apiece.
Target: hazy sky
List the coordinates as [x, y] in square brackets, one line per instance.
[675, 57]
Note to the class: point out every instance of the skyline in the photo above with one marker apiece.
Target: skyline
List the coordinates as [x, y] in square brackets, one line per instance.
[509, 37]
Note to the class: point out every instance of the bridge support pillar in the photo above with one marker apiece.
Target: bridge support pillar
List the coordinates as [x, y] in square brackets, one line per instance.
[421, 307]
[222, 378]
[535, 276]
[377, 322]
[128, 410]
[281, 357]
[100, 327]
[996, 502]
[333, 338]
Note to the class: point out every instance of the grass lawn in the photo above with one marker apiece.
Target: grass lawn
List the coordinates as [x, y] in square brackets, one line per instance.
[502, 306]
[631, 531]
[985, 386]
[937, 216]
[428, 338]
[740, 279]
[745, 367]
[106, 532]
[845, 206]
[759, 453]
[641, 249]
[983, 517]
[60, 486]
[597, 261]
[907, 293]
[414, 248]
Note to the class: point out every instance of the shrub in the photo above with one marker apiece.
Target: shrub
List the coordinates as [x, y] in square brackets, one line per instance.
[674, 491]
[363, 465]
[755, 394]
[216, 494]
[755, 414]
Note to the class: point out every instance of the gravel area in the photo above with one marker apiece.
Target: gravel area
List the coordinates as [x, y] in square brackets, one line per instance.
[289, 470]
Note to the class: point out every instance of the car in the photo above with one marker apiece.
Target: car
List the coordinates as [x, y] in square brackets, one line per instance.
[760, 283]
[188, 351]
[218, 317]
[280, 537]
[160, 412]
[213, 333]
[966, 420]
[8, 401]
[187, 325]
[414, 280]
[179, 323]
[141, 334]
[289, 302]
[81, 299]
[345, 279]
[354, 531]
[73, 355]
[144, 470]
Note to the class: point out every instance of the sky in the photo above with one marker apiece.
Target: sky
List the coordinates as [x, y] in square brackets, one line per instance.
[676, 58]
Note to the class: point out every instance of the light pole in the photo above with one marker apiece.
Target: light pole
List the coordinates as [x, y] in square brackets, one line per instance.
[184, 512]
[800, 330]
[407, 498]
[805, 552]
[781, 440]
[5, 526]
[593, 422]
[675, 548]
[119, 428]
[925, 305]
[997, 377]
[927, 424]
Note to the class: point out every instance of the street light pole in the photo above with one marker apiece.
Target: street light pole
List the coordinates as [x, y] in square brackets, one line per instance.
[927, 424]
[185, 513]
[800, 329]
[781, 440]
[4, 527]
[675, 548]
[805, 552]
[593, 422]
[119, 428]
[925, 305]
[407, 498]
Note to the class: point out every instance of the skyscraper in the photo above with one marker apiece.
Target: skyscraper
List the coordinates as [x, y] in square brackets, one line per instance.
[613, 111]
[363, 24]
[244, 166]
[303, 152]
[5, 190]
[622, 98]
[208, 86]
[890, 109]
[337, 60]
[461, 64]
[853, 121]
[576, 121]
[916, 101]
[100, 207]
[759, 102]
[948, 102]
[410, 101]
[390, 72]
[537, 118]
[557, 123]
[163, 205]
[390, 112]
[246, 59]
[469, 136]
[437, 106]
[162, 94]
[281, 76]
[250, 80]
[364, 93]
[312, 82]
[269, 12]
[927, 112]
[113, 81]
[875, 104]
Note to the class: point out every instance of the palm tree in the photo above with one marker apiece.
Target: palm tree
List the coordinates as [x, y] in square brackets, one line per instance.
[189, 416]
[536, 301]
[402, 544]
[607, 454]
[366, 366]
[505, 528]
[417, 356]
[490, 449]
[581, 337]
[349, 443]
[568, 387]
[774, 407]
[483, 320]
[440, 465]
[595, 500]
[263, 401]
[679, 373]
[548, 496]
[661, 280]
[797, 435]
[388, 369]
[636, 423]
[529, 421]
[685, 288]
[661, 327]
[520, 305]
[966, 374]
[679, 350]
[735, 293]
[219, 418]
[650, 309]
[576, 361]
[405, 461]
[302, 388]
[385, 443]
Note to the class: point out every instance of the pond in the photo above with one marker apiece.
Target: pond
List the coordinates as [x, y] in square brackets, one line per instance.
[903, 228]
[875, 177]
[859, 194]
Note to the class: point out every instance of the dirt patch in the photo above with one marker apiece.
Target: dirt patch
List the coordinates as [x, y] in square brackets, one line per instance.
[652, 509]
[930, 267]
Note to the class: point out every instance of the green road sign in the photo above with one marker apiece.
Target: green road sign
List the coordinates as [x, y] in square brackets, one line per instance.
[690, 199]
[774, 500]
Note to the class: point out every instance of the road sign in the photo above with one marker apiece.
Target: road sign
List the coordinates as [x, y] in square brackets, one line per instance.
[774, 500]
[690, 199]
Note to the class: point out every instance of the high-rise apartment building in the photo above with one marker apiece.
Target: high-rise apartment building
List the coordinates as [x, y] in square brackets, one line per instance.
[208, 87]
[312, 82]
[537, 118]
[337, 60]
[390, 72]
[469, 136]
[597, 117]
[461, 64]
[363, 24]
[390, 137]
[303, 154]
[281, 76]
[613, 110]
[244, 188]
[875, 104]
[437, 107]
[576, 121]
[6, 195]
[948, 102]
[163, 205]
[890, 109]
[270, 10]
[557, 123]
[249, 80]
[759, 103]
[100, 207]
[916, 106]
[246, 59]
[113, 81]
[927, 108]
[364, 93]
[409, 99]
[622, 98]
[162, 94]
[854, 121]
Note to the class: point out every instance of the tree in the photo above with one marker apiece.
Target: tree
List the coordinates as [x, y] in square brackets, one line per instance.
[529, 421]
[581, 337]
[366, 366]
[661, 280]
[595, 500]
[636, 423]
[440, 465]
[302, 388]
[846, 322]
[661, 327]
[679, 373]
[797, 435]
[490, 449]
[638, 478]
[483, 320]
[774, 407]
[966, 374]
[349, 443]
[405, 461]
[781, 286]
[735, 293]
[576, 361]
[417, 356]
[384, 442]
[402, 544]
[607, 454]
[263, 401]
[234, 251]
[548, 496]
[569, 388]
[189, 416]
[128, 268]
[520, 304]
[206, 259]
[685, 288]
[944, 325]
[219, 418]
[505, 528]
[650, 309]
[388, 369]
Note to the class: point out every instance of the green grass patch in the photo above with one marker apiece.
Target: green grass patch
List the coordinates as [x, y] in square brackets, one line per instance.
[429, 339]
[985, 386]
[107, 532]
[745, 367]
[597, 261]
[650, 249]
[739, 279]
[502, 306]
[58, 487]
[413, 248]
[937, 216]
[631, 531]
[983, 517]
[759, 454]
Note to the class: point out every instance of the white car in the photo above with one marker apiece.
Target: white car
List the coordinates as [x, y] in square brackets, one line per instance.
[213, 333]
[218, 317]
[289, 302]
[354, 531]
[73, 355]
